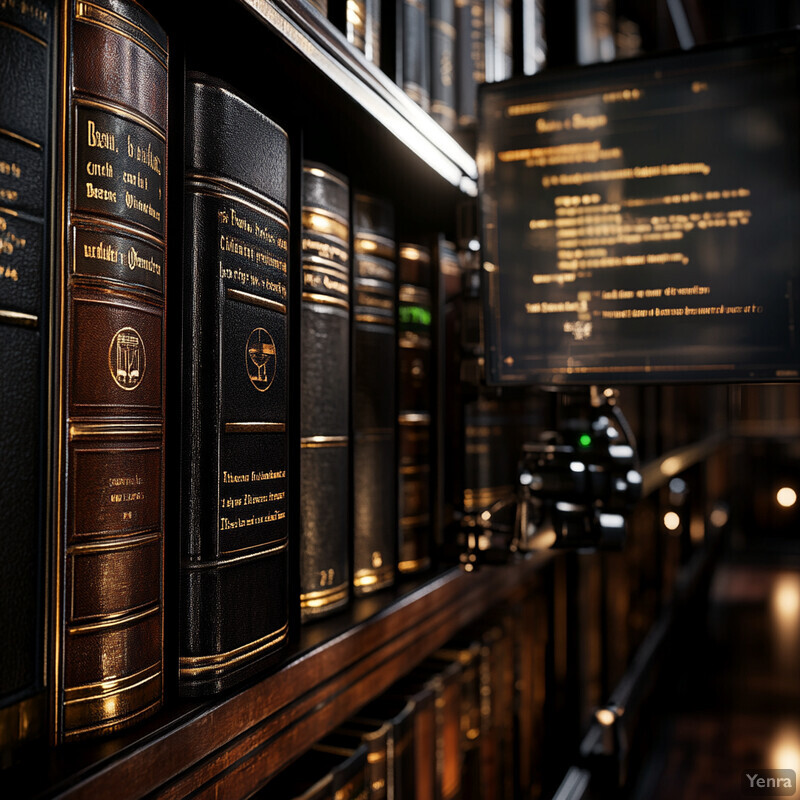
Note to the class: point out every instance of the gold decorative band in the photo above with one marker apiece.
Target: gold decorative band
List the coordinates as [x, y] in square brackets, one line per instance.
[17, 29]
[414, 418]
[114, 430]
[326, 299]
[126, 113]
[255, 300]
[413, 522]
[320, 172]
[249, 554]
[378, 246]
[199, 666]
[412, 252]
[229, 189]
[115, 545]
[408, 293]
[375, 319]
[18, 318]
[445, 27]
[367, 580]
[114, 621]
[415, 469]
[312, 601]
[255, 427]
[414, 564]
[88, 12]
[312, 442]
[107, 706]
[326, 223]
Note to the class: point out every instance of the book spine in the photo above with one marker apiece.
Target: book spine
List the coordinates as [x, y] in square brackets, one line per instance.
[325, 398]
[234, 536]
[416, 52]
[374, 410]
[471, 61]
[414, 412]
[109, 510]
[362, 26]
[443, 59]
[26, 39]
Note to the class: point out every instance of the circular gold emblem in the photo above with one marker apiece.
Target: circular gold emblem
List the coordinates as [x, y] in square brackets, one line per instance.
[260, 359]
[126, 359]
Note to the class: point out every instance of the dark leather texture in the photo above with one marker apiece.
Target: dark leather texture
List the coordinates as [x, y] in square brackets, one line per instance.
[325, 397]
[374, 411]
[234, 578]
[25, 59]
[111, 551]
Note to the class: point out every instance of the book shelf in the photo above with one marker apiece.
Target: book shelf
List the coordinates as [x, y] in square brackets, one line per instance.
[340, 109]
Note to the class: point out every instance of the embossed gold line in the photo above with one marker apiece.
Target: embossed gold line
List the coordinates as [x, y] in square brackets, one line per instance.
[379, 246]
[113, 621]
[111, 724]
[324, 299]
[372, 577]
[197, 665]
[330, 215]
[230, 189]
[279, 546]
[413, 564]
[94, 224]
[18, 318]
[255, 300]
[323, 598]
[29, 142]
[258, 547]
[129, 543]
[324, 266]
[415, 418]
[313, 442]
[121, 111]
[77, 694]
[81, 15]
[93, 430]
[374, 286]
[321, 172]
[255, 427]
[30, 35]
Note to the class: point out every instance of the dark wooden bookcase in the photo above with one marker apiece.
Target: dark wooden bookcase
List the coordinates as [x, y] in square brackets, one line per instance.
[339, 109]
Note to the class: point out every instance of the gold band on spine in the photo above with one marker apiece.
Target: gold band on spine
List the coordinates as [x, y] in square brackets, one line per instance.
[326, 299]
[229, 189]
[255, 300]
[326, 223]
[314, 601]
[412, 418]
[414, 564]
[312, 442]
[114, 430]
[18, 318]
[367, 580]
[12, 135]
[201, 666]
[374, 319]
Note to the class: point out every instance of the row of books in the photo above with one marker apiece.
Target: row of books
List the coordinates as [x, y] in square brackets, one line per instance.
[100, 400]
[440, 51]
[459, 725]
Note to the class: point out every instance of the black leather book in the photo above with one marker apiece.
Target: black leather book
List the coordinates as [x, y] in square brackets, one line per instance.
[443, 63]
[415, 393]
[374, 409]
[416, 66]
[325, 393]
[234, 538]
[26, 39]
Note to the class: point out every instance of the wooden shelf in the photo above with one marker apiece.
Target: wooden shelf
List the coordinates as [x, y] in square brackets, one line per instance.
[232, 745]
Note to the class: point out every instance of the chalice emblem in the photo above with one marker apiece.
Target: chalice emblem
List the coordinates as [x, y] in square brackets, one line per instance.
[260, 359]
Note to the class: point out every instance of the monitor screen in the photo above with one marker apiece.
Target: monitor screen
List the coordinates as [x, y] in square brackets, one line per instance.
[641, 219]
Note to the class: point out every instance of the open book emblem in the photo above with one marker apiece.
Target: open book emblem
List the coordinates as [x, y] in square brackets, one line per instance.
[126, 359]
[260, 359]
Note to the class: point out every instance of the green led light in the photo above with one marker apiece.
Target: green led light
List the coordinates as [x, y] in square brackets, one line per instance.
[585, 440]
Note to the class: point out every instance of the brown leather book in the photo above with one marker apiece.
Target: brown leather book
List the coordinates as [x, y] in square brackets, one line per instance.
[110, 270]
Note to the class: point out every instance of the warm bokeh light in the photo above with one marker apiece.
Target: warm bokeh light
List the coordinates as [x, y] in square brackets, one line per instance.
[672, 521]
[784, 751]
[605, 716]
[719, 516]
[786, 497]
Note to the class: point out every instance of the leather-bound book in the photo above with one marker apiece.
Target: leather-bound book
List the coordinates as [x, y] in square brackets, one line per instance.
[325, 393]
[110, 273]
[374, 407]
[443, 63]
[360, 21]
[471, 58]
[416, 63]
[234, 536]
[415, 389]
[26, 50]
